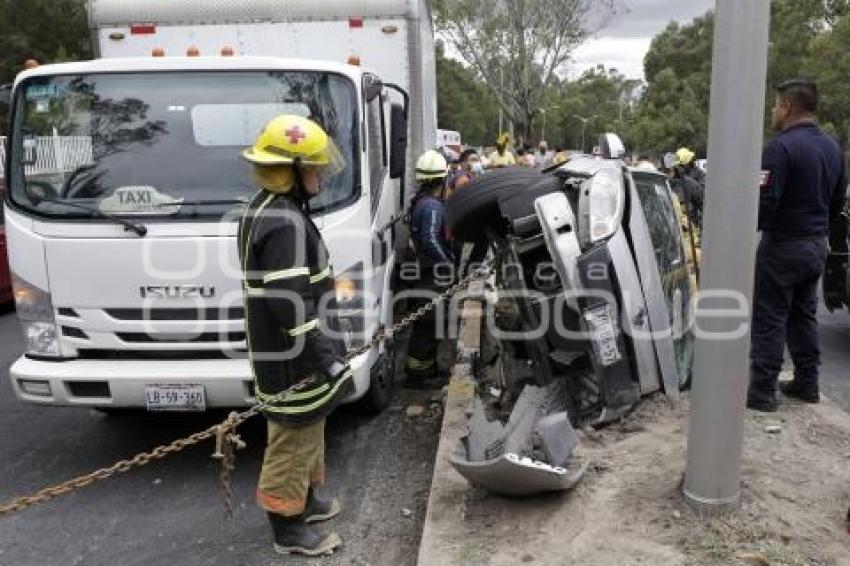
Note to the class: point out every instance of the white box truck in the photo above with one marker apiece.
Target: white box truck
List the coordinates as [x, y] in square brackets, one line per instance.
[125, 189]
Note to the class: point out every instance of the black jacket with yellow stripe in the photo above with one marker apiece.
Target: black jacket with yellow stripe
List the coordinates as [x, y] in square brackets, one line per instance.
[289, 297]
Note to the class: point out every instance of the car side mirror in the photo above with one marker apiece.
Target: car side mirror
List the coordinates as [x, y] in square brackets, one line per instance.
[612, 146]
[398, 141]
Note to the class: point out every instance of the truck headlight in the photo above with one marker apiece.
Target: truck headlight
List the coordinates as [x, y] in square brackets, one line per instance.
[351, 316]
[35, 311]
[605, 203]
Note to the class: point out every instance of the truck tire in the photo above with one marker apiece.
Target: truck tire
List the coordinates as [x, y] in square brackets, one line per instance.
[381, 385]
[475, 208]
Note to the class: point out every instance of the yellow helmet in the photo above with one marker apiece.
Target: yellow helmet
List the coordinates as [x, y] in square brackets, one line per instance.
[685, 156]
[560, 158]
[504, 139]
[431, 165]
[288, 139]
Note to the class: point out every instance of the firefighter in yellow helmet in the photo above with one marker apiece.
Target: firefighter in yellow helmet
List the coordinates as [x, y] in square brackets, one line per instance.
[502, 157]
[687, 164]
[435, 268]
[286, 276]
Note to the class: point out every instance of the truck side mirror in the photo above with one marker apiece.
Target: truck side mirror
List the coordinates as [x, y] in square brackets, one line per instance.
[373, 88]
[398, 141]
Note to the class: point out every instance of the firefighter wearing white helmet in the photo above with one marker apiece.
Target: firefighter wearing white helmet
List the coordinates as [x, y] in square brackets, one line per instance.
[286, 275]
[435, 267]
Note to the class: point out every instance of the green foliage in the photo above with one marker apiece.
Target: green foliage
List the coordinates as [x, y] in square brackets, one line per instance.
[808, 38]
[604, 97]
[465, 103]
[673, 111]
[517, 47]
[49, 31]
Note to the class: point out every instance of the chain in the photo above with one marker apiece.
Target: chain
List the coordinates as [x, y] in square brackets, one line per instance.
[227, 441]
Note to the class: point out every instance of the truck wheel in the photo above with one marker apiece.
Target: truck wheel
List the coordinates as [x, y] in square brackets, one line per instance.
[381, 385]
[474, 208]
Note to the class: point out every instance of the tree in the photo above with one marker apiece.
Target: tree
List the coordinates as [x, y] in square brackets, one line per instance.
[673, 111]
[518, 47]
[808, 38]
[602, 95]
[464, 103]
[49, 31]
[829, 63]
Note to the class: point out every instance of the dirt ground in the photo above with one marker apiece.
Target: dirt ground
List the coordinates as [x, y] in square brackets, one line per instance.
[628, 508]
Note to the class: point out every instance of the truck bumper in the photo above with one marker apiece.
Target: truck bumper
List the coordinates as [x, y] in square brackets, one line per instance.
[105, 384]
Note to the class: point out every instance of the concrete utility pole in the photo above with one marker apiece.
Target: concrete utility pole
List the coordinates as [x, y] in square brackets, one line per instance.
[721, 367]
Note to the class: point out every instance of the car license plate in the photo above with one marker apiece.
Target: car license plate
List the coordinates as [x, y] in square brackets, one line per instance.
[175, 397]
[603, 336]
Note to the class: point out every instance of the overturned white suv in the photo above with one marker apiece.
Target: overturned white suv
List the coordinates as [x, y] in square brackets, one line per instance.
[590, 312]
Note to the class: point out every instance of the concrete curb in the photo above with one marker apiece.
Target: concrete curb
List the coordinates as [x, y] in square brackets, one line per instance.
[446, 500]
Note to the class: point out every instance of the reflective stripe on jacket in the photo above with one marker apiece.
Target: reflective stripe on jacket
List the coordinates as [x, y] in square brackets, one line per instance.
[288, 284]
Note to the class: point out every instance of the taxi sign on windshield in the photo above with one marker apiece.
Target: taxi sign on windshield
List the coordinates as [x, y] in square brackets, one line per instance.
[139, 200]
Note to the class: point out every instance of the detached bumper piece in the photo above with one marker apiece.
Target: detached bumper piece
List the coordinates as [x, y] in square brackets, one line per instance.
[516, 476]
[531, 453]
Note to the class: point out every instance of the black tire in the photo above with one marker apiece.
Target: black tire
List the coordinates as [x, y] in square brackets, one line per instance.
[475, 208]
[381, 386]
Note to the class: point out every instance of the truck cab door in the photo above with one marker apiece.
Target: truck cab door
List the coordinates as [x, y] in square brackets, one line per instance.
[382, 199]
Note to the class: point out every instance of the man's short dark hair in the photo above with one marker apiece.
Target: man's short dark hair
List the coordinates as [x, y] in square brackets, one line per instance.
[802, 94]
[467, 153]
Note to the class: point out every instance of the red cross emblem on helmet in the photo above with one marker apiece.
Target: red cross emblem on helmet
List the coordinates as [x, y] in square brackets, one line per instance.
[295, 134]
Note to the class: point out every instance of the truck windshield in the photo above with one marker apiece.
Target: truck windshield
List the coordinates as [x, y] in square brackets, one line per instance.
[165, 144]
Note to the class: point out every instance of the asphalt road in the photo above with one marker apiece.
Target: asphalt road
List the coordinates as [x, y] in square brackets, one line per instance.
[171, 512]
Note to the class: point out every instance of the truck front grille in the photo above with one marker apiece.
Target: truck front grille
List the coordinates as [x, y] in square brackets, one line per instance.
[232, 313]
[178, 338]
[162, 333]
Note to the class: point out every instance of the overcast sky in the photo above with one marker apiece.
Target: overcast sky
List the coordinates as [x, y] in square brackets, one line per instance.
[625, 41]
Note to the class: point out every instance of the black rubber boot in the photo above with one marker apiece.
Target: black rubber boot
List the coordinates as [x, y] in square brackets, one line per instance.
[807, 394]
[294, 536]
[762, 401]
[320, 508]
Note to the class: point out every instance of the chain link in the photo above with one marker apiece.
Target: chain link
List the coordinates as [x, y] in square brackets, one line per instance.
[227, 441]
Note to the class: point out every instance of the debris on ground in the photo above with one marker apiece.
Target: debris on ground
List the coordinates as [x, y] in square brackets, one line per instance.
[795, 493]
[414, 411]
[773, 428]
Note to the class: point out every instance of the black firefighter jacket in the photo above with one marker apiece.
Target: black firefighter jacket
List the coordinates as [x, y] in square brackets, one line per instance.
[288, 293]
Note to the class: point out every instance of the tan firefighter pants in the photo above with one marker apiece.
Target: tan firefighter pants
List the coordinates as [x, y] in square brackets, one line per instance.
[294, 461]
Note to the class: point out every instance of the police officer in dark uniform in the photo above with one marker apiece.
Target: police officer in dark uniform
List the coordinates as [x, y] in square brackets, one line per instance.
[802, 194]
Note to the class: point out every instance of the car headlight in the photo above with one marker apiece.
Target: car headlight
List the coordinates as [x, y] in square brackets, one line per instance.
[35, 311]
[604, 199]
[350, 314]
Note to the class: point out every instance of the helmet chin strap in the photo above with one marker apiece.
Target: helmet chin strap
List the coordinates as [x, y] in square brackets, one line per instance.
[299, 193]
